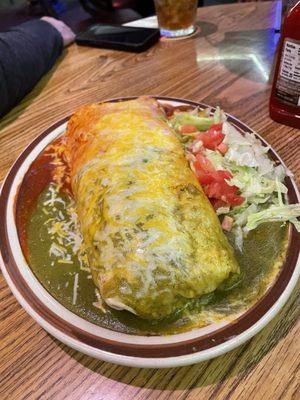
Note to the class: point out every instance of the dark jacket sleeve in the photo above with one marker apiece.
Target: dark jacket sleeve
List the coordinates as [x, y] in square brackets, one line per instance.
[27, 52]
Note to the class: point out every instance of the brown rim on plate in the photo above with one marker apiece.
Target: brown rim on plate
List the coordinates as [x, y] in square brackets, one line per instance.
[185, 347]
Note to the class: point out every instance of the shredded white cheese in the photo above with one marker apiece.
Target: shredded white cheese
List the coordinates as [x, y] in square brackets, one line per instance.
[64, 230]
[75, 288]
[99, 303]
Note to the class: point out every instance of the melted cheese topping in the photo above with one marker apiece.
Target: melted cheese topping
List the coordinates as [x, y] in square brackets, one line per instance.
[152, 237]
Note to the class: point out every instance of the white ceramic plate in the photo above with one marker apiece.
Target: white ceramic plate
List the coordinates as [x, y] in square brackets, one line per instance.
[120, 348]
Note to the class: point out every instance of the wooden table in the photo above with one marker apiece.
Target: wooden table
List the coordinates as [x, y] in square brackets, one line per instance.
[228, 63]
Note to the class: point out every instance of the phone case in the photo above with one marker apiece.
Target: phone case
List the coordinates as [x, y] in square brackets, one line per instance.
[85, 39]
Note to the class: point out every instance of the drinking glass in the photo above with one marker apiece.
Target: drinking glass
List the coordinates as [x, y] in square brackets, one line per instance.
[176, 17]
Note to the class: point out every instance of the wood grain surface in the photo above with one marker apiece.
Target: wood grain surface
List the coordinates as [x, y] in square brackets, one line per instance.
[227, 62]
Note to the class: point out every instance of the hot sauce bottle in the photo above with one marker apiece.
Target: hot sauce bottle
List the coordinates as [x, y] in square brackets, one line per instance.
[285, 96]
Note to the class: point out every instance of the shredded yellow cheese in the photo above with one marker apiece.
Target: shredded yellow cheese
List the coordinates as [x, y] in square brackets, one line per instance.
[56, 151]
[64, 261]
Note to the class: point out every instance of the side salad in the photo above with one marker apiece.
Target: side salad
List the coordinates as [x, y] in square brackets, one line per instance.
[243, 184]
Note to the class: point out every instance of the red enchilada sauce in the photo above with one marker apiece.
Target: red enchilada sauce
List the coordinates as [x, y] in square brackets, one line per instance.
[40, 174]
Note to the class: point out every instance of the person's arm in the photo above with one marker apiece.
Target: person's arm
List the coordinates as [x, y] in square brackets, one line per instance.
[27, 52]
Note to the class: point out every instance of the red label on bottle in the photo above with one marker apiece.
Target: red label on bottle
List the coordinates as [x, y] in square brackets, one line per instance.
[288, 82]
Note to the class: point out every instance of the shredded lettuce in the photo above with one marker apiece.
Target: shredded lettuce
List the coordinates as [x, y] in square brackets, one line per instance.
[246, 150]
[242, 215]
[254, 186]
[284, 213]
[222, 210]
[259, 179]
[219, 116]
[201, 123]
[239, 237]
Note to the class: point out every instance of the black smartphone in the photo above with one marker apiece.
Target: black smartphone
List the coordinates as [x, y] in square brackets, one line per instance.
[118, 37]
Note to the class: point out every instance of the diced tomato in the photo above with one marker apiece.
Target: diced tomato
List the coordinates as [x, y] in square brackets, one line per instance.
[227, 223]
[229, 190]
[204, 177]
[220, 175]
[213, 190]
[210, 140]
[232, 198]
[235, 200]
[188, 129]
[216, 127]
[217, 189]
[203, 163]
[215, 183]
[223, 148]
[197, 149]
[218, 203]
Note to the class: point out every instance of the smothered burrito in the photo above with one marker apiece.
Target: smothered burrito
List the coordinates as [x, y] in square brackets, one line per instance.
[152, 237]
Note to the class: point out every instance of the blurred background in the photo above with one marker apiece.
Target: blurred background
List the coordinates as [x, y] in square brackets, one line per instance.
[79, 14]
